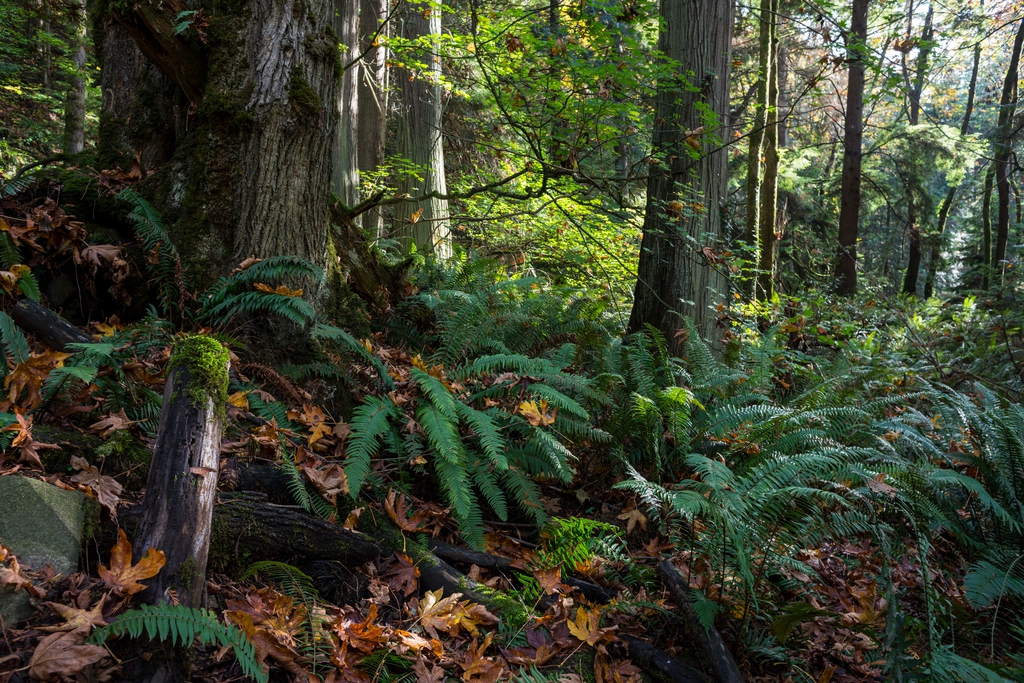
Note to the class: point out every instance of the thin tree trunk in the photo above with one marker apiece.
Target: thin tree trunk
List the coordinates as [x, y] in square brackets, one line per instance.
[345, 154]
[687, 187]
[947, 203]
[913, 223]
[783, 66]
[373, 99]
[986, 228]
[849, 206]
[418, 139]
[770, 184]
[1007, 107]
[74, 114]
[755, 149]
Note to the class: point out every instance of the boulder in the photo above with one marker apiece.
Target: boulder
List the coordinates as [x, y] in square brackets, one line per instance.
[41, 524]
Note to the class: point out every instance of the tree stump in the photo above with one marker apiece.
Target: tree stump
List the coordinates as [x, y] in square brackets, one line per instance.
[182, 483]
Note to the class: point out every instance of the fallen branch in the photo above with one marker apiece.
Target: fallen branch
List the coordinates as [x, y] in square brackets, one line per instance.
[722, 662]
[53, 330]
[659, 664]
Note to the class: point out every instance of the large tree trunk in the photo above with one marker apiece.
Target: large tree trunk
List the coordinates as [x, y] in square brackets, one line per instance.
[755, 148]
[74, 114]
[947, 203]
[418, 138]
[849, 202]
[913, 223]
[345, 162]
[1003, 143]
[679, 274]
[250, 172]
[373, 98]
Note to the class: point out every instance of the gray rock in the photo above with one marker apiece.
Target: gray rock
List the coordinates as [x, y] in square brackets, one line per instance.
[41, 524]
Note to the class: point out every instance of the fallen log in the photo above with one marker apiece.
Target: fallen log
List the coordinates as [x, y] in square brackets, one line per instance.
[247, 528]
[262, 476]
[451, 553]
[719, 657]
[53, 330]
[659, 664]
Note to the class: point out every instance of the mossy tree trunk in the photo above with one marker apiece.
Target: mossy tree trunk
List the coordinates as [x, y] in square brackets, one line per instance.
[345, 162]
[255, 87]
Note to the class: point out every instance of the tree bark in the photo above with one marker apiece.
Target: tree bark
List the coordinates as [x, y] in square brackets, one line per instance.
[1003, 143]
[947, 203]
[74, 114]
[373, 99]
[250, 172]
[913, 223]
[769, 198]
[783, 106]
[679, 272]
[418, 137]
[345, 156]
[849, 203]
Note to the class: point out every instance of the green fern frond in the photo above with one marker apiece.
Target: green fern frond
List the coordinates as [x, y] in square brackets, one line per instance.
[183, 625]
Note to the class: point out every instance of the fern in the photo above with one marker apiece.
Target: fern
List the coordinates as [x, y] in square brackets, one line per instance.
[182, 625]
[152, 233]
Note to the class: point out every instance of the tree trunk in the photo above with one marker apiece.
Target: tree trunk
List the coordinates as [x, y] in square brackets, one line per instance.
[345, 157]
[947, 203]
[783, 65]
[74, 113]
[687, 187]
[770, 185]
[755, 149]
[986, 228]
[250, 171]
[1001, 158]
[913, 224]
[849, 202]
[178, 506]
[373, 99]
[418, 139]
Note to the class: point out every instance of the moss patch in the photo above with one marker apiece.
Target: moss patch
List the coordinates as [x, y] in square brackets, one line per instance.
[207, 362]
[303, 98]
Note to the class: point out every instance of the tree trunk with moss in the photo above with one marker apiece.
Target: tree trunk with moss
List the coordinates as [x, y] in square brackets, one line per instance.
[243, 99]
[345, 163]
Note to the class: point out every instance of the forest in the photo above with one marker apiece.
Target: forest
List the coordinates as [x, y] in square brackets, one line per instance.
[519, 341]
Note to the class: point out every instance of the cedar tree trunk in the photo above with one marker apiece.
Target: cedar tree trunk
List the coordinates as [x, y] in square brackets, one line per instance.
[373, 98]
[345, 163]
[913, 222]
[418, 136]
[679, 273]
[1003, 143]
[74, 114]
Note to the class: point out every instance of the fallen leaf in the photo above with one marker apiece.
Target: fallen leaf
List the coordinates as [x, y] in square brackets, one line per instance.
[585, 627]
[632, 517]
[75, 618]
[550, 580]
[403, 575]
[281, 289]
[107, 489]
[63, 656]
[123, 577]
[537, 413]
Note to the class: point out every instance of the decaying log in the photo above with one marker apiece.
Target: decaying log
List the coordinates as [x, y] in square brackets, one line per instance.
[451, 553]
[261, 476]
[722, 662]
[53, 330]
[182, 484]
[660, 664]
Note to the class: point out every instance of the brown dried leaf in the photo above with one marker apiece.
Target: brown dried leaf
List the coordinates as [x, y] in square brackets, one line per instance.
[63, 655]
[123, 577]
[107, 489]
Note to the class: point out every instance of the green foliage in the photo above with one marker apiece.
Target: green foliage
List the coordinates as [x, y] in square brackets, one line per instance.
[182, 625]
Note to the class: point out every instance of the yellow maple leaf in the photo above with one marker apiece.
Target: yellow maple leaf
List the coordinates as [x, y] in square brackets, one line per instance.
[123, 576]
[281, 289]
[537, 413]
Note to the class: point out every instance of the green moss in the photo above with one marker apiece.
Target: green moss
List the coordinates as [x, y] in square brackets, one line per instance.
[509, 608]
[90, 519]
[124, 453]
[303, 98]
[187, 571]
[207, 362]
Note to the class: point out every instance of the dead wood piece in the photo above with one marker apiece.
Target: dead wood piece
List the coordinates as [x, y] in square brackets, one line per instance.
[722, 662]
[248, 528]
[451, 553]
[53, 330]
[237, 474]
[659, 663]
